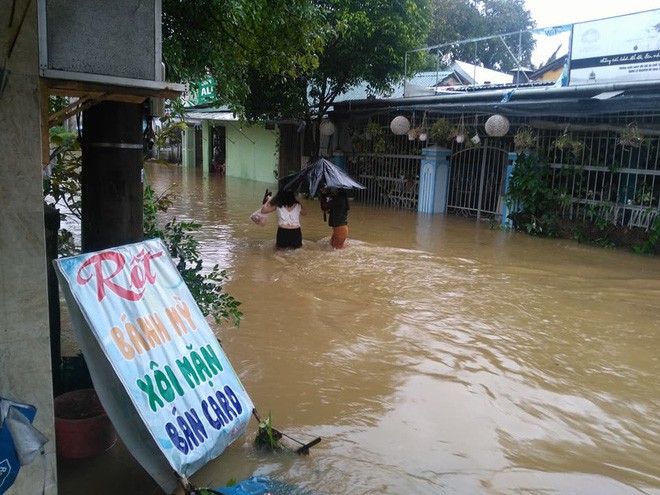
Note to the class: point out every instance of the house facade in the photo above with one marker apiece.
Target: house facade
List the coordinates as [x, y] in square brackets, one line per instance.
[591, 115]
[217, 142]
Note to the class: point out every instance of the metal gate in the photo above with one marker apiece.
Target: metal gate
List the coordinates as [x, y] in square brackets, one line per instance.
[476, 184]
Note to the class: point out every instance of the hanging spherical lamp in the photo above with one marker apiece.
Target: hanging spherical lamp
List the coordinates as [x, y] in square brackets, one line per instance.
[400, 125]
[497, 125]
[327, 128]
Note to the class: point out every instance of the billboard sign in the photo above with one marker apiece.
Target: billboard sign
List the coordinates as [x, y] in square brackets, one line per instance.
[201, 93]
[617, 49]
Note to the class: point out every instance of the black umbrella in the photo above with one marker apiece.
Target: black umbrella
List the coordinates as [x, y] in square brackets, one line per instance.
[321, 173]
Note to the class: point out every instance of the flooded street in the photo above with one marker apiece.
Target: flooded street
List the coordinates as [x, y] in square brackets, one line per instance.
[434, 355]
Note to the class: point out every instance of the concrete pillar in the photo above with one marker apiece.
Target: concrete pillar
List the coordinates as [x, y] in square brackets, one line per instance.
[25, 360]
[52, 218]
[206, 148]
[339, 159]
[188, 147]
[434, 180]
[513, 157]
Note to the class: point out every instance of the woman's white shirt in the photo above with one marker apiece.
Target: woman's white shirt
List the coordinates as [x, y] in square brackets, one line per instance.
[290, 218]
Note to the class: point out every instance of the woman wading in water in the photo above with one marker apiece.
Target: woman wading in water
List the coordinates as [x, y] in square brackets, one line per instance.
[289, 210]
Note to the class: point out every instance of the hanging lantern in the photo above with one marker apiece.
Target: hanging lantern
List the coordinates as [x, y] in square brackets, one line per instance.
[400, 125]
[497, 125]
[423, 136]
[327, 128]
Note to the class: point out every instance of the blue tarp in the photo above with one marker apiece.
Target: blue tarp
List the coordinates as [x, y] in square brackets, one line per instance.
[262, 485]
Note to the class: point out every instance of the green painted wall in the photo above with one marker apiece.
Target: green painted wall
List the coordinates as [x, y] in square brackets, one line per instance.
[252, 152]
[188, 147]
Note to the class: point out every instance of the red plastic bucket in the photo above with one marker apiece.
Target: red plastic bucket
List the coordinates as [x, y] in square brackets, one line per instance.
[82, 428]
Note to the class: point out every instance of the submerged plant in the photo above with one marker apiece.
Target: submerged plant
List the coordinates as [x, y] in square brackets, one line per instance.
[533, 201]
[268, 437]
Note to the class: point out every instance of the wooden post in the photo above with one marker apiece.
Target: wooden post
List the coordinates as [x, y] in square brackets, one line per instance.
[111, 179]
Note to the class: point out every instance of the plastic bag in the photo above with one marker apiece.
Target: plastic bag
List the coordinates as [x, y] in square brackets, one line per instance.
[259, 218]
[20, 442]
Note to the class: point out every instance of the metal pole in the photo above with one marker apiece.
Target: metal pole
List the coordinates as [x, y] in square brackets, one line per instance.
[481, 177]
[405, 73]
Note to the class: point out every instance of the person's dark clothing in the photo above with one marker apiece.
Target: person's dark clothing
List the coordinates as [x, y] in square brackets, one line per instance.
[288, 238]
[338, 208]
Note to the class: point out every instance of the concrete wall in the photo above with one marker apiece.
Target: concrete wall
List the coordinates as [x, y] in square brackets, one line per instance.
[25, 369]
[252, 152]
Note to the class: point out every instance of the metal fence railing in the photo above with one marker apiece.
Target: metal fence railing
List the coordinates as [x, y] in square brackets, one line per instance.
[390, 180]
[604, 177]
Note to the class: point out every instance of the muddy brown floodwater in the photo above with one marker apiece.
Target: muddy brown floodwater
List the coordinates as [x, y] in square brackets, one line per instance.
[434, 355]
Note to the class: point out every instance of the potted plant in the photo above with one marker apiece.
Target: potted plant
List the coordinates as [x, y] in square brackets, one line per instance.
[566, 142]
[421, 131]
[412, 134]
[82, 428]
[373, 131]
[357, 141]
[461, 131]
[442, 131]
[474, 141]
[418, 133]
[524, 139]
[631, 136]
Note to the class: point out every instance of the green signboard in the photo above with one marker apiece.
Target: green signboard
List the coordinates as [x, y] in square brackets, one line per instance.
[200, 93]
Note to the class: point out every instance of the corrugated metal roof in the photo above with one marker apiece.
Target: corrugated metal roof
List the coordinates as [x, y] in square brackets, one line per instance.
[480, 75]
[210, 114]
[527, 100]
[425, 80]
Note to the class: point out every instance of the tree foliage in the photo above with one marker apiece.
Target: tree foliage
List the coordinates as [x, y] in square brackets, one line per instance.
[231, 40]
[291, 58]
[363, 43]
[535, 203]
[368, 43]
[461, 20]
[61, 189]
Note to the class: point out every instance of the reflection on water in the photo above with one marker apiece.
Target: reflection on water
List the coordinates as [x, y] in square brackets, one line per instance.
[435, 354]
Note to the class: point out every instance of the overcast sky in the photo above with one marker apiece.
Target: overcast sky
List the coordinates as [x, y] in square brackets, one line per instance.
[550, 13]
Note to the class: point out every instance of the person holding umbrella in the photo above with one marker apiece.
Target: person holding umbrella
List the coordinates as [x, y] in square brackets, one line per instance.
[289, 210]
[337, 207]
[321, 173]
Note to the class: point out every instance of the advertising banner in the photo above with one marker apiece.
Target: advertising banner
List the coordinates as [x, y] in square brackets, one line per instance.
[201, 93]
[617, 49]
[157, 367]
